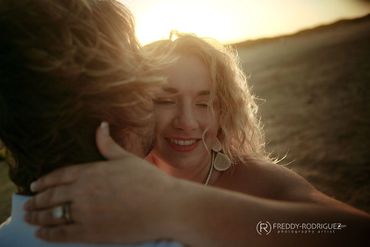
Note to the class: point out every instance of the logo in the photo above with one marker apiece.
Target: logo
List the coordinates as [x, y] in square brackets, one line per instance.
[263, 228]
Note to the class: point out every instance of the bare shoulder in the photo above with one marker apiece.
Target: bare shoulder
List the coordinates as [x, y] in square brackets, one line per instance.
[279, 175]
[268, 180]
[288, 184]
[272, 181]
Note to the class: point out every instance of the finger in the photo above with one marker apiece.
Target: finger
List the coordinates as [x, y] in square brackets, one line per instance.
[106, 145]
[65, 175]
[49, 198]
[44, 218]
[62, 234]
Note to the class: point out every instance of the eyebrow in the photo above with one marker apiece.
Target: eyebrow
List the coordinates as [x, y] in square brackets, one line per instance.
[204, 93]
[170, 90]
[174, 91]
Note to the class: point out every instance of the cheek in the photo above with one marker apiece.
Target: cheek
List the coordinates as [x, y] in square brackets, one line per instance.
[163, 120]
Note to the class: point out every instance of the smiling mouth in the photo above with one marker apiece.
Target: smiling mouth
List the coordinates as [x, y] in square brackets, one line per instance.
[183, 142]
[182, 145]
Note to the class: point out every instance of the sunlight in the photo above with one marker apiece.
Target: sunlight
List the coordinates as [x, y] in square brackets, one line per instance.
[236, 20]
[184, 18]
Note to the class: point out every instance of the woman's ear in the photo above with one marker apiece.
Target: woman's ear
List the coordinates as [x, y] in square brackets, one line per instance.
[217, 147]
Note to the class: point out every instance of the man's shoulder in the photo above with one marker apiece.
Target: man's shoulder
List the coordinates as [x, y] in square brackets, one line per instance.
[5, 223]
[3, 229]
[9, 236]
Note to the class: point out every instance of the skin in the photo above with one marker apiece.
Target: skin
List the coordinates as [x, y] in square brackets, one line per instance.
[185, 212]
[188, 212]
[183, 117]
[98, 201]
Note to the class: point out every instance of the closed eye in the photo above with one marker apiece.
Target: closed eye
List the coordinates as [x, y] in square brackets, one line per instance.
[164, 101]
[203, 104]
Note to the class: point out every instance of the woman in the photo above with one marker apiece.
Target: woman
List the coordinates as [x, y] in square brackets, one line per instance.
[205, 114]
[207, 132]
[207, 128]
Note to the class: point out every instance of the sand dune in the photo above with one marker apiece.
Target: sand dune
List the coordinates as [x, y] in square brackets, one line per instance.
[316, 107]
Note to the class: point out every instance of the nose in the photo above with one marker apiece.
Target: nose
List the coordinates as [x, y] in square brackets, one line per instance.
[185, 119]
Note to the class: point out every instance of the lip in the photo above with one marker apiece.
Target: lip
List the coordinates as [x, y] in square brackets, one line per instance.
[174, 143]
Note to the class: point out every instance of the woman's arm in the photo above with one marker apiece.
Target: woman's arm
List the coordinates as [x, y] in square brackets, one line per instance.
[127, 200]
[109, 205]
[215, 217]
[286, 185]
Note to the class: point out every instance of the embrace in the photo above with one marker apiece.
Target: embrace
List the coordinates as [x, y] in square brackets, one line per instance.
[114, 143]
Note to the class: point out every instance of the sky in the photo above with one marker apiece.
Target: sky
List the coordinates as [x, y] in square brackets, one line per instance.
[231, 21]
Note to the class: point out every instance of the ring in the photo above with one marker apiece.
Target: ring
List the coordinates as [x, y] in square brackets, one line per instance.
[67, 213]
[57, 212]
[64, 212]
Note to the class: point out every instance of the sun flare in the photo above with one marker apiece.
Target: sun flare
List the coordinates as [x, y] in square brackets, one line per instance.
[236, 20]
[184, 18]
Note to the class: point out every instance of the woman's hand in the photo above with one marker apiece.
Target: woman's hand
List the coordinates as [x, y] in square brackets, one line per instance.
[116, 201]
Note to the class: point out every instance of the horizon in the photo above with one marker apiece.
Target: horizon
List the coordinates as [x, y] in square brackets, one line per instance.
[227, 21]
[299, 31]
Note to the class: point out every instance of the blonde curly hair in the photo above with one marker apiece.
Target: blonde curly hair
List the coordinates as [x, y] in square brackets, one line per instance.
[240, 133]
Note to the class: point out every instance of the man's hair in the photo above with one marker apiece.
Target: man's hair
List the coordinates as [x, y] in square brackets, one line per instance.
[241, 134]
[65, 66]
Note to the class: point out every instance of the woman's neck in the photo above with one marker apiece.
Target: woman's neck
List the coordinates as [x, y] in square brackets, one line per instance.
[193, 173]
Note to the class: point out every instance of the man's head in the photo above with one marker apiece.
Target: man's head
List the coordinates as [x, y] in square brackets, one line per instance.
[65, 66]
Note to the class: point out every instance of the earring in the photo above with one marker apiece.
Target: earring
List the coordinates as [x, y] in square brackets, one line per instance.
[217, 147]
[221, 161]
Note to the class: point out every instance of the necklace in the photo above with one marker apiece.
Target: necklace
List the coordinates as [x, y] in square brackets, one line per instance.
[219, 162]
[210, 170]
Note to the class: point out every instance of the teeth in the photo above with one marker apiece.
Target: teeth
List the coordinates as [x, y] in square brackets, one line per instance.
[183, 142]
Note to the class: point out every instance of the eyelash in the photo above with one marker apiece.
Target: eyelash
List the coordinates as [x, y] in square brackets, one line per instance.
[203, 105]
[163, 101]
[171, 102]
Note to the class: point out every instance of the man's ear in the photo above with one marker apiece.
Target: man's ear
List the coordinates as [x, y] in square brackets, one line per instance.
[106, 145]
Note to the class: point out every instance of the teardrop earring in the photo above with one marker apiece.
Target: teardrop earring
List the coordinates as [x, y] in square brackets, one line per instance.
[217, 146]
[221, 162]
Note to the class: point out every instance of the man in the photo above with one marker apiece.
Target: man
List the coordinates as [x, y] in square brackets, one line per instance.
[66, 65]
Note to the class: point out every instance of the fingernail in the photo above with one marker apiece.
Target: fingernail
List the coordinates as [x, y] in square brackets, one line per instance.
[34, 186]
[104, 125]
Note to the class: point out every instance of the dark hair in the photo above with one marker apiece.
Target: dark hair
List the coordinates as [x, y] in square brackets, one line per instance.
[64, 67]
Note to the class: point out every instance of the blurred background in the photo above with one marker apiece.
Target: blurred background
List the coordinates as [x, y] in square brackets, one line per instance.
[308, 62]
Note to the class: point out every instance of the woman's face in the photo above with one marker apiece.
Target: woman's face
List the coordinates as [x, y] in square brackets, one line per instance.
[183, 114]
